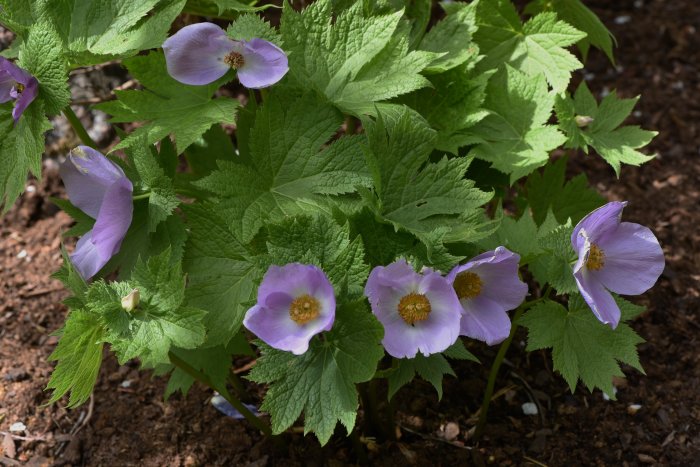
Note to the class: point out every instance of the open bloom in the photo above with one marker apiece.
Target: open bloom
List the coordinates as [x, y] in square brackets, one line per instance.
[420, 312]
[98, 187]
[487, 286]
[202, 53]
[622, 257]
[17, 84]
[295, 302]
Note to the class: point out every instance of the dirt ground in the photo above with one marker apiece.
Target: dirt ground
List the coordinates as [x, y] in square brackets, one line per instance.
[127, 422]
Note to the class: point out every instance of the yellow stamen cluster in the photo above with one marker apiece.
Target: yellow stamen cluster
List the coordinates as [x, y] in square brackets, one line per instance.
[304, 309]
[234, 60]
[467, 285]
[596, 258]
[414, 307]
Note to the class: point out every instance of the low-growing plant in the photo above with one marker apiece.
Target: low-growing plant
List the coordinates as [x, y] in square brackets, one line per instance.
[385, 190]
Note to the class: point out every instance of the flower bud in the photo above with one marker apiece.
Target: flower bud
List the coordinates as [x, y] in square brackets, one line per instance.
[582, 121]
[131, 301]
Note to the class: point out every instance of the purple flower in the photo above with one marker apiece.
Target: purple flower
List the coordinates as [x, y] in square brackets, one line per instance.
[17, 84]
[487, 286]
[420, 312]
[99, 187]
[620, 257]
[202, 53]
[295, 302]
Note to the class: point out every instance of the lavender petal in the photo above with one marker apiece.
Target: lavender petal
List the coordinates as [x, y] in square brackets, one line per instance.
[87, 175]
[86, 259]
[7, 83]
[265, 64]
[598, 298]
[269, 319]
[223, 406]
[195, 54]
[633, 261]
[485, 319]
[598, 224]
[26, 97]
[114, 218]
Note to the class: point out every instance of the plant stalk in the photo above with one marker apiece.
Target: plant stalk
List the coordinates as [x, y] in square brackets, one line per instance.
[238, 405]
[78, 127]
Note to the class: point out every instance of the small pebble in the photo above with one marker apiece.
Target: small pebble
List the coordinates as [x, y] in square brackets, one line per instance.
[22, 254]
[451, 431]
[18, 427]
[633, 409]
[126, 383]
[31, 189]
[529, 408]
[623, 19]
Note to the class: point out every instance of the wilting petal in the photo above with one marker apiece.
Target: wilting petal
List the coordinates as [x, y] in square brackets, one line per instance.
[264, 64]
[86, 258]
[87, 175]
[114, 218]
[195, 54]
[600, 300]
[598, 224]
[633, 260]
[25, 98]
[270, 318]
[485, 320]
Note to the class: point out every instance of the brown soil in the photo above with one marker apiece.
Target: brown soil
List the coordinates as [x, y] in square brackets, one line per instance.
[127, 422]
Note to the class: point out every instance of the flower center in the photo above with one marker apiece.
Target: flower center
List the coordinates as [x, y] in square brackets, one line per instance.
[19, 87]
[414, 307]
[596, 258]
[234, 60]
[467, 285]
[304, 309]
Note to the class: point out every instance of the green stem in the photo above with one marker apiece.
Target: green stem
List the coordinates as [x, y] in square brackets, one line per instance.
[237, 385]
[142, 196]
[238, 405]
[253, 100]
[78, 127]
[483, 412]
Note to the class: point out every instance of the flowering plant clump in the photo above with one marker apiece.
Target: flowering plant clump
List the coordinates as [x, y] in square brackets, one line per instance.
[311, 191]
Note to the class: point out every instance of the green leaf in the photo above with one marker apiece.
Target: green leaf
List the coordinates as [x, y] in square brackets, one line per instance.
[452, 105]
[162, 200]
[83, 222]
[451, 38]
[536, 48]
[95, 32]
[141, 243]
[214, 145]
[167, 106]
[355, 60]
[42, 56]
[319, 240]
[221, 280]
[582, 347]
[21, 147]
[250, 26]
[160, 321]
[554, 264]
[321, 383]
[72, 280]
[79, 356]
[515, 137]
[549, 190]
[432, 369]
[458, 351]
[412, 192]
[215, 362]
[579, 16]
[616, 144]
[290, 172]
